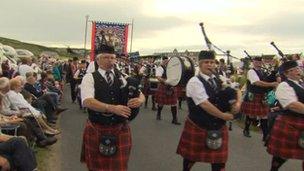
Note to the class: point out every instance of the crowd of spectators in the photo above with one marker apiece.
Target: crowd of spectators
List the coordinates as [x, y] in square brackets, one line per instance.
[30, 98]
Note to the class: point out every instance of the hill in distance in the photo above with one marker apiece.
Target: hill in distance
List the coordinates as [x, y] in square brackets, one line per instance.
[38, 49]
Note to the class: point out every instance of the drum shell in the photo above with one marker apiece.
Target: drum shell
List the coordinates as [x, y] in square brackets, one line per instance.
[187, 70]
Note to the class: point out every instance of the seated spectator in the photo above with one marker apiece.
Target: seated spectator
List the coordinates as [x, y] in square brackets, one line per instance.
[25, 66]
[12, 113]
[15, 154]
[18, 100]
[48, 83]
[48, 98]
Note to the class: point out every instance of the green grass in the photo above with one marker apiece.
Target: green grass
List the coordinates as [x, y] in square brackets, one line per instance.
[42, 156]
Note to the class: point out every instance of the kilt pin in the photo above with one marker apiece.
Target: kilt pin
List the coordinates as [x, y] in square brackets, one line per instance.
[283, 141]
[192, 145]
[255, 108]
[162, 98]
[90, 147]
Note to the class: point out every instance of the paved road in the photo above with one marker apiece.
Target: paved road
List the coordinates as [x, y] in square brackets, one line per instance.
[155, 142]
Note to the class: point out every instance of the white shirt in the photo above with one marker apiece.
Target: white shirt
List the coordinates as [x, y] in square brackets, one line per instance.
[196, 89]
[91, 67]
[159, 71]
[18, 100]
[252, 76]
[8, 108]
[286, 94]
[23, 69]
[87, 84]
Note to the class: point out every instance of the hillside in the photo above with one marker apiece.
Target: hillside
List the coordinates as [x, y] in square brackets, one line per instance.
[37, 49]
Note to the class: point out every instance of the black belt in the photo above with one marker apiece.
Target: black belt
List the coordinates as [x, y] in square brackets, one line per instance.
[96, 117]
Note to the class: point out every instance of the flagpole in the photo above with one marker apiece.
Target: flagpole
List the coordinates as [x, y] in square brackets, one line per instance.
[85, 35]
[131, 35]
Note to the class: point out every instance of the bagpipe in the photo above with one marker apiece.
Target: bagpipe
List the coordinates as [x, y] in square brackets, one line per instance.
[128, 91]
[226, 94]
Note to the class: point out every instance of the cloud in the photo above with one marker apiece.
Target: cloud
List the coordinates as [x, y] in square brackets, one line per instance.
[161, 24]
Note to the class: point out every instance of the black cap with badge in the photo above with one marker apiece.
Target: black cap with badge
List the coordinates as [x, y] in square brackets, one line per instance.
[105, 49]
[206, 54]
[288, 65]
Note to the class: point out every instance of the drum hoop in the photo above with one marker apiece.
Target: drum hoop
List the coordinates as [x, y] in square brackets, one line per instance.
[183, 64]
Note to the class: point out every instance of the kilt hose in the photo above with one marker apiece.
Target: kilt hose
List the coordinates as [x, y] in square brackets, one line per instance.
[192, 145]
[90, 147]
[180, 91]
[162, 98]
[283, 141]
[255, 108]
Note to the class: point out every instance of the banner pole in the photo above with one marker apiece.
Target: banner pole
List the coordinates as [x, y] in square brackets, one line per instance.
[85, 36]
[131, 35]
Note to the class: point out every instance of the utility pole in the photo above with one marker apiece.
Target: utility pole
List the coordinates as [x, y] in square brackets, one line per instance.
[85, 35]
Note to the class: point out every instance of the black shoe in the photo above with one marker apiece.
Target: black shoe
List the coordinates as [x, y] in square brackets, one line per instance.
[158, 117]
[246, 133]
[175, 122]
[51, 140]
[46, 142]
[42, 143]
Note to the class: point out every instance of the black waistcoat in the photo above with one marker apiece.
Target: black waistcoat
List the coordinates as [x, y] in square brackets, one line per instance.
[257, 89]
[300, 94]
[164, 73]
[199, 116]
[106, 94]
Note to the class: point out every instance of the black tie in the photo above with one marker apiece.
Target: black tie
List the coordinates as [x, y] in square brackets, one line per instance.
[212, 83]
[109, 78]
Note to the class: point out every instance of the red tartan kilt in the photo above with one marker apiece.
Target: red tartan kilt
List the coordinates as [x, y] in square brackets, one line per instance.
[255, 108]
[163, 99]
[192, 145]
[180, 91]
[283, 141]
[90, 147]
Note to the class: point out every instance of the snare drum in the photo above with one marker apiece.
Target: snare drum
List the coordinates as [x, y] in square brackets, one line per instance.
[179, 70]
[153, 82]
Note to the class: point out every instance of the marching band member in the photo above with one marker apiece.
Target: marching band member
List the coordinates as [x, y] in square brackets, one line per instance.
[79, 74]
[165, 94]
[147, 71]
[205, 135]
[254, 104]
[287, 137]
[107, 137]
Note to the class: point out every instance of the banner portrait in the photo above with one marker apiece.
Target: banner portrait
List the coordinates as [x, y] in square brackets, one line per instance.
[115, 34]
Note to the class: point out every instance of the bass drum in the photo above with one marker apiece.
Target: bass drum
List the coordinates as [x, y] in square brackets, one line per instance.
[179, 70]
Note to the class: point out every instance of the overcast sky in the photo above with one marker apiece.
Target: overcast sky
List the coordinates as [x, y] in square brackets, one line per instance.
[161, 25]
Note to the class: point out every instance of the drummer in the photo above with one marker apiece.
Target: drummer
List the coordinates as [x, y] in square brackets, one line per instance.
[148, 71]
[287, 138]
[205, 119]
[165, 94]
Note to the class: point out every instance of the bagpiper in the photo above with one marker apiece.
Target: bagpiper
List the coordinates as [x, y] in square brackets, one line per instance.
[205, 135]
[287, 135]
